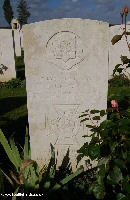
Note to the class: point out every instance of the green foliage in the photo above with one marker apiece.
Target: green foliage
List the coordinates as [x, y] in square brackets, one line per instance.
[110, 147]
[119, 80]
[23, 12]
[28, 177]
[119, 68]
[11, 150]
[8, 12]
[13, 83]
[110, 142]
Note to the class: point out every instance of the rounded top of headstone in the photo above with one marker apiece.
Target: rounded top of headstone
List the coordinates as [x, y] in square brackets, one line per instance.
[15, 24]
[64, 19]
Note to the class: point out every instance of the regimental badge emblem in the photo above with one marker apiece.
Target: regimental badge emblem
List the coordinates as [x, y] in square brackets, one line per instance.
[65, 50]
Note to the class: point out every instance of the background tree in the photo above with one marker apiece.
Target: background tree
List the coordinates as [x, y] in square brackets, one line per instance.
[8, 12]
[23, 12]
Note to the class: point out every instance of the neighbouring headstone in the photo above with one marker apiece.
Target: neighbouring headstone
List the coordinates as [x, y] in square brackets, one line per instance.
[7, 61]
[15, 24]
[21, 38]
[67, 73]
[17, 42]
[119, 48]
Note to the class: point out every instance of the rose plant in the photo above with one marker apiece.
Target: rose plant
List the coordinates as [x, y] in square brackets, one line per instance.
[109, 142]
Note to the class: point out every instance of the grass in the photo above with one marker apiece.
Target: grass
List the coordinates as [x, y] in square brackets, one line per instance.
[13, 106]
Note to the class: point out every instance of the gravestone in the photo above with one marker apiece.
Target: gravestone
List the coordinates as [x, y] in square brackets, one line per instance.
[67, 73]
[7, 61]
[21, 38]
[17, 42]
[118, 49]
[15, 24]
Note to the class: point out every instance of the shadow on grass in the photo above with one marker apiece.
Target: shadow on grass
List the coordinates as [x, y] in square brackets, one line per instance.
[11, 103]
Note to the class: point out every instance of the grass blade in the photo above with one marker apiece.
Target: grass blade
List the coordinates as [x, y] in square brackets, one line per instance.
[26, 146]
[15, 151]
[7, 148]
[8, 178]
[15, 193]
[66, 180]
[1, 183]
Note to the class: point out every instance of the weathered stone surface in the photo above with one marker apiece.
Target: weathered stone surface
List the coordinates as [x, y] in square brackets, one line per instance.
[118, 49]
[7, 62]
[67, 72]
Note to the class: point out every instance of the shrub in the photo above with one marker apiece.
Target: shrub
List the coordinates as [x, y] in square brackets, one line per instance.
[110, 141]
[110, 147]
[13, 83]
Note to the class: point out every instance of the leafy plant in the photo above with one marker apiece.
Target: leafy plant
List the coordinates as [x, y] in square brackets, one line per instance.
[13, 83]
[110, 140]
[110, 147]
[27, 177]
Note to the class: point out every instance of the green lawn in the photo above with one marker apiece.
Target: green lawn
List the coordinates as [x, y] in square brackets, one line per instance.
[13, 106]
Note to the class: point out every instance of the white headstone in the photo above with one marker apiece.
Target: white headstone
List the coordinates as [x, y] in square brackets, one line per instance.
[7, 61]
[118, 49]
[67, 72]
[21, 38]
[17, 42]
[15, 24]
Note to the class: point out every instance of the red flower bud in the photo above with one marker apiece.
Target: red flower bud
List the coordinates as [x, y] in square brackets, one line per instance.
[114, 103]
[126, 10]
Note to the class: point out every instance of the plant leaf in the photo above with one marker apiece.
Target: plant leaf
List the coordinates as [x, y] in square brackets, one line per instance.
[15, 193]
[96, 118]
[126, 185]
[120, 163]
[120, 196]
[83, 120]
[66, 180]
[15, 151]
[99, 191]
[26, 146]
[123, 58]
[116, 38]
[8, 178]
[1, 183]
[94, 111]
[94, 151]
[116, 68]
[115, 176]
[7, 148]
